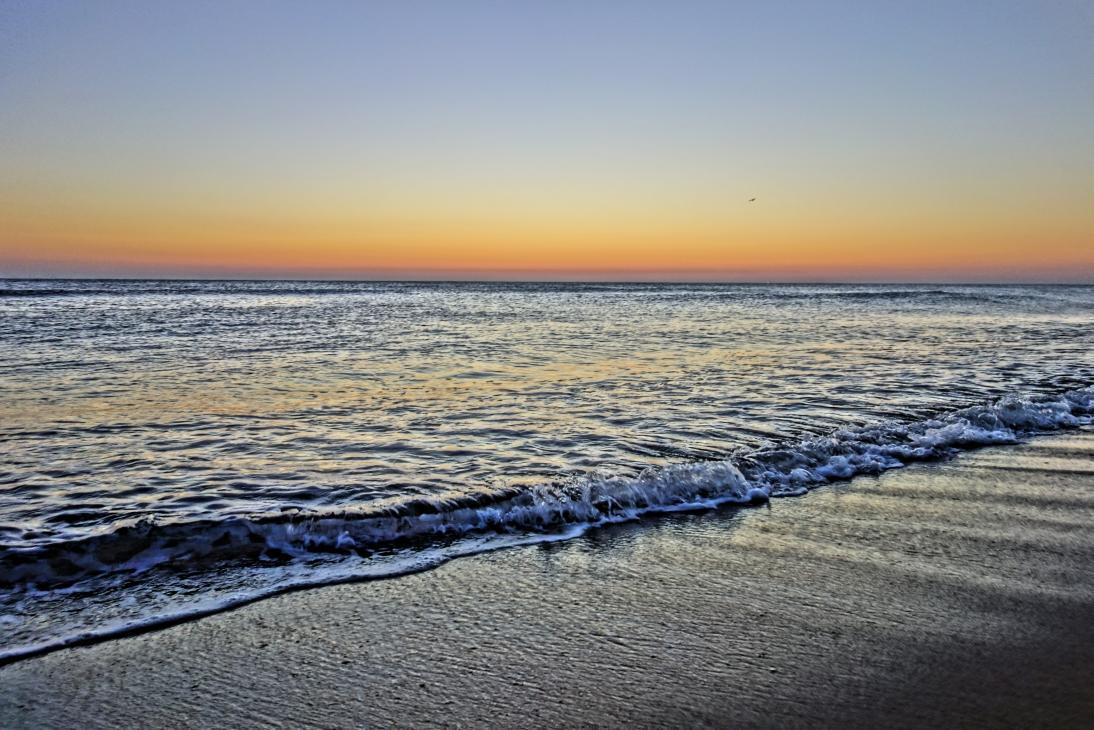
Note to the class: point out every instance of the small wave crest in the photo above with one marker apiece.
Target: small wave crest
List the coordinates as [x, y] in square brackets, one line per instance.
[588, 501]
[929, 297]
[7, 293]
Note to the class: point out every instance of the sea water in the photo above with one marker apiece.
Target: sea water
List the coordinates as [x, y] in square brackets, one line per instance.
[173, 448]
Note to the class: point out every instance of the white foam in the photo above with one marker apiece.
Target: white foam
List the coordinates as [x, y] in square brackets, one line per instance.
[789, 470]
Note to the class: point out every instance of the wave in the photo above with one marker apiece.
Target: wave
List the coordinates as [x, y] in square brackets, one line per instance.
[7, 293]
[548, 509]
[1000, 295]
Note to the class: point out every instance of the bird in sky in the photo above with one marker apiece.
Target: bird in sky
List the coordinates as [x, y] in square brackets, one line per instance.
[752, 200]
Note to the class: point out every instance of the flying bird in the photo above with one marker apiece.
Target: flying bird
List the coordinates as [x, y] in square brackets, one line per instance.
[752, 200]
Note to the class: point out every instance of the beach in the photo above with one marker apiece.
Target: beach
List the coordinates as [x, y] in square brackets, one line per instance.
[956, 593]
[551, 365]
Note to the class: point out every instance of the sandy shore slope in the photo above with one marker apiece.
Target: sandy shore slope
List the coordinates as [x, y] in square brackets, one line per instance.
[949, 594]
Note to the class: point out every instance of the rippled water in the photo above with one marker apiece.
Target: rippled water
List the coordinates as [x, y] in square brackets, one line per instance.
[168, 448]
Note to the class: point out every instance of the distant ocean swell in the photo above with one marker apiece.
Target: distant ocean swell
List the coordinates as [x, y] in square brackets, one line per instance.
[548, 510]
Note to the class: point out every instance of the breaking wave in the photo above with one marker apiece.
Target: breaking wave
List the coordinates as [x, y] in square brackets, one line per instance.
[546, 510]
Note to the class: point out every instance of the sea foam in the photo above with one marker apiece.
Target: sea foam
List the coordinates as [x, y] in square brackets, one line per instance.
[546, 509]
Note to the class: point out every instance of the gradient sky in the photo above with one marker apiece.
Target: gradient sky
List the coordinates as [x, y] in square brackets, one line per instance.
[554, 140]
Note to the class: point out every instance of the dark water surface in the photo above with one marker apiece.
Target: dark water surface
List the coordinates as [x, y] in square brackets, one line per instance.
[169, 448]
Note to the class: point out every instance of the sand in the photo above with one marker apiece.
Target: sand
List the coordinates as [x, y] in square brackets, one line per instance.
[952, 594]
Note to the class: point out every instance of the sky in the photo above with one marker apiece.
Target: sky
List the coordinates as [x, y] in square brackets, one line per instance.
[884, 141]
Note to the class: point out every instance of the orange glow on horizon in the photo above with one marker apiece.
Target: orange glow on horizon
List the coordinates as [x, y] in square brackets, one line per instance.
[748, 242]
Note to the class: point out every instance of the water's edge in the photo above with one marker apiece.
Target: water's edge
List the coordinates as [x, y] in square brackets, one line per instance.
[448, 529]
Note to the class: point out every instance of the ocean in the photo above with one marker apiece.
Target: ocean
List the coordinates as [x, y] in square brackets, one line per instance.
[170, 449]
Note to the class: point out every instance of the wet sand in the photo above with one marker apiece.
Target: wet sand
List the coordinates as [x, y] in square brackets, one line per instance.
[955, 594]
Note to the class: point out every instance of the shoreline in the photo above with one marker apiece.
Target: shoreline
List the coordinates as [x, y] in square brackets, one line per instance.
[745, 480]
[944, 592]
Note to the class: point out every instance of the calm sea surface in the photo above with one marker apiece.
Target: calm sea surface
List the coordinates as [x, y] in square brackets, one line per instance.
[171, 448]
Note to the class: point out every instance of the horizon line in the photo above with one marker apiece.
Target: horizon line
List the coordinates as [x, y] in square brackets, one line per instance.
[648, 282]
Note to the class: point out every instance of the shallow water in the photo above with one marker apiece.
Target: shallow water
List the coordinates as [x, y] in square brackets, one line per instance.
[174, 447]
